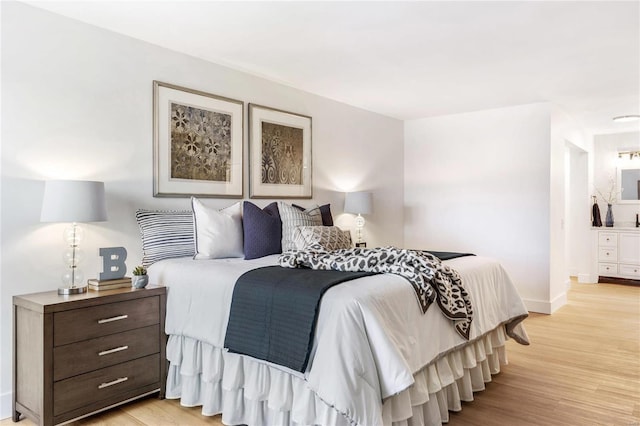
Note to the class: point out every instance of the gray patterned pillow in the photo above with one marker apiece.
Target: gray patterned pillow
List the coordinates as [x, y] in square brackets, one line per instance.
[292, 218]
[328, 237]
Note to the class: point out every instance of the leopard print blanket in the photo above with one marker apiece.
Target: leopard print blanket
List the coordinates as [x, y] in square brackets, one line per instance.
[431, 280]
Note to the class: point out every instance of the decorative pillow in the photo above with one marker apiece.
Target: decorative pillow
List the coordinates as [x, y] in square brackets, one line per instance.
[292, 218]
[218, 232]
[325, 212]
[262, 230]
[165, 234]
[328, 237]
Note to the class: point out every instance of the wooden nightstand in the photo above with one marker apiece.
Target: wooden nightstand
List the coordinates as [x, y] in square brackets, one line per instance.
[79, 354]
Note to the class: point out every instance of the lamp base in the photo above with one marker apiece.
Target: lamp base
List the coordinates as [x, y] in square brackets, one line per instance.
[72, 290]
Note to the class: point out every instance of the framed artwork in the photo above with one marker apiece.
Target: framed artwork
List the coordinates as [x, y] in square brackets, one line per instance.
[197, 143]
[279, 153]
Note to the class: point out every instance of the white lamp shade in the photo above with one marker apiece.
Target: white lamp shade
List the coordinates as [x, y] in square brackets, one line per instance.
[73, 201]
[358, 203]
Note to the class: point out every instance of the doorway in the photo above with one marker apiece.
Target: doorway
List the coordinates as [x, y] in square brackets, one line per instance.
[577, 213]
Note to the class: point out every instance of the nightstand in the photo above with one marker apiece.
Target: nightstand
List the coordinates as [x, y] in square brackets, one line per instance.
[79, 354]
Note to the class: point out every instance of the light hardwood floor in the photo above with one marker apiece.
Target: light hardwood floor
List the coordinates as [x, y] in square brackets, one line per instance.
[582, 368]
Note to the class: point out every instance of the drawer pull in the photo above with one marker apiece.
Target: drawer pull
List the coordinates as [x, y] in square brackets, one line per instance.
[115, 382]
[110, 351]
[118, 318]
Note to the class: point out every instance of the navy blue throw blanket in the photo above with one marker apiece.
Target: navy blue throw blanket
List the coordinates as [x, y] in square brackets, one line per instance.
[447, 255]
[274, 311]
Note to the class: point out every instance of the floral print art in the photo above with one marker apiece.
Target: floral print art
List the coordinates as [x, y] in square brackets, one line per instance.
[281, 154]
[200, 144]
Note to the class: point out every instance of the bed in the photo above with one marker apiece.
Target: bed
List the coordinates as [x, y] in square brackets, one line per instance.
[376, 359]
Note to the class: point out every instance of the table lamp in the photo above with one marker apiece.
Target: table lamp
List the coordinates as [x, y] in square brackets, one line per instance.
[73, 201]
[358, 203]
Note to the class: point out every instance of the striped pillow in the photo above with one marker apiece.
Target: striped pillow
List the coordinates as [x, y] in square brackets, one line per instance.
[165, 234]
[292, 218]
[325, 211]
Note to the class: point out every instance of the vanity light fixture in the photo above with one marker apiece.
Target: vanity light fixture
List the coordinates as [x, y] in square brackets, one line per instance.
[626, 118]
[631, 154]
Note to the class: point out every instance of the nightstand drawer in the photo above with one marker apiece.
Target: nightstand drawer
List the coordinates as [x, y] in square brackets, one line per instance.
[632, 271]
[89, 388]
[608, 239]
[608, 254]
[81, 324]
[82, 357]
[607, 269]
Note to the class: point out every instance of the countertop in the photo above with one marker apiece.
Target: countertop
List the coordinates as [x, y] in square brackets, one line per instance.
[616, 228]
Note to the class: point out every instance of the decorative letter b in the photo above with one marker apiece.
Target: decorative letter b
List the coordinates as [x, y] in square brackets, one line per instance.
[113, 266]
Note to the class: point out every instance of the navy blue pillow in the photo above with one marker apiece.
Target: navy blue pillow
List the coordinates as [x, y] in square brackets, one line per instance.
[325, 211]
[262, 230]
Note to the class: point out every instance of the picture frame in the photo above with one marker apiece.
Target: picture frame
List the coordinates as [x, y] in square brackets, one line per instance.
[197, 143]
[280, 163]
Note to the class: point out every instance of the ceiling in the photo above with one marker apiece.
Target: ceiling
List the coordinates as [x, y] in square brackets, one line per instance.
[409, 59]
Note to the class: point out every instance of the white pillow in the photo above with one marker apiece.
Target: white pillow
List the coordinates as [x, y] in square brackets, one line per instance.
[292, 218]
[218, 233]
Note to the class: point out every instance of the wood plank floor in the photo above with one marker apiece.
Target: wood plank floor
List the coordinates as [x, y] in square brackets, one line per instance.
[582, 368]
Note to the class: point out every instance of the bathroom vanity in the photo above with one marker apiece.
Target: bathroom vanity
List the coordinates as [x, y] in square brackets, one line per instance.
[618, 254]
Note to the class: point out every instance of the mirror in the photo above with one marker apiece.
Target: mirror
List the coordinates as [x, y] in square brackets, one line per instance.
[629, 184]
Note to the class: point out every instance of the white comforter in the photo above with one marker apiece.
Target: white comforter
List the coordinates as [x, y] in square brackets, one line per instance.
[371, 336]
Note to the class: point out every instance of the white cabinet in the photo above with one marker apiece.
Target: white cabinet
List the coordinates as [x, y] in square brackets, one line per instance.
[629, 248]
[629, 255]
[619, 253]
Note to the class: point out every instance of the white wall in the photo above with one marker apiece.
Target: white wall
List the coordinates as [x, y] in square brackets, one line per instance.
[5, 399]
[510, 172]
[480, 182]
[77, 103]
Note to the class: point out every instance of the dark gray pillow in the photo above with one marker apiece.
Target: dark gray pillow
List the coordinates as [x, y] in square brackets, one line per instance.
[262, 230]
[325, 212]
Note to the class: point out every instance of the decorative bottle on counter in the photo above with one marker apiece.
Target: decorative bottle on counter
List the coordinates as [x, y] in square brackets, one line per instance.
[609, 219]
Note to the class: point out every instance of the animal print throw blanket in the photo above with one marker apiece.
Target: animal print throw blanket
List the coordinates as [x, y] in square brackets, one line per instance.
[431, 280]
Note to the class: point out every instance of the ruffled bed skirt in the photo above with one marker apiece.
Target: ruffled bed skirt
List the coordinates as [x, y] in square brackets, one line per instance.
[249, 392]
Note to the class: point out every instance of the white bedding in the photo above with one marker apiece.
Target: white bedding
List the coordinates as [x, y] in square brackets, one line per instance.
[371, 337]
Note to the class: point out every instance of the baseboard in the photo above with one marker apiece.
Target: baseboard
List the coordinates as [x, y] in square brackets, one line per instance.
[5, 405]
[537, 306]
[586, 279]
[559, 301]
[544, 307]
